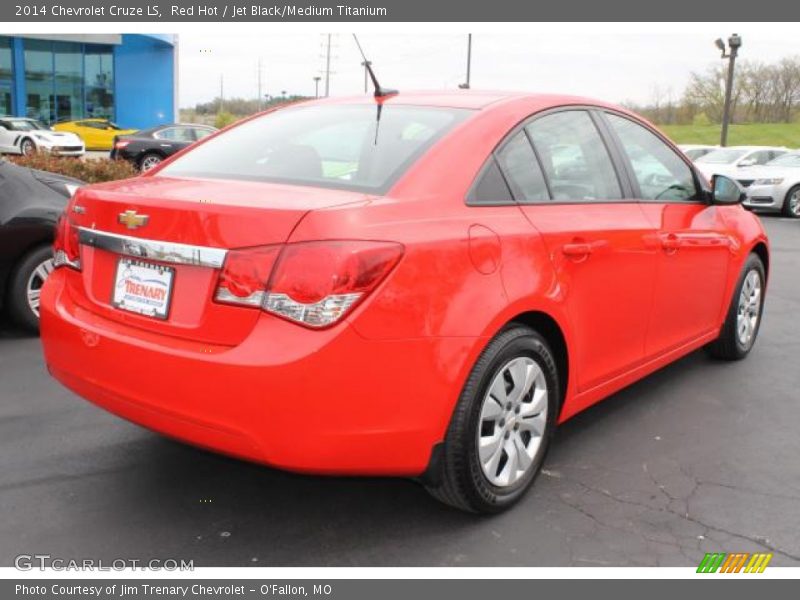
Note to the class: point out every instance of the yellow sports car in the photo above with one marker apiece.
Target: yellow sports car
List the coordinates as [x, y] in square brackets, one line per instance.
[97, 134]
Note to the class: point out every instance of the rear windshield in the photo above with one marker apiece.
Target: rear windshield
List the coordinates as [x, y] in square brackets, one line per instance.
[343, 147]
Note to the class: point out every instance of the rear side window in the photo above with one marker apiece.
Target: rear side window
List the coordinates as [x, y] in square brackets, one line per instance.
[490, 188]
[355, 147]
[518, 162]
[574, 157]
[660, 172]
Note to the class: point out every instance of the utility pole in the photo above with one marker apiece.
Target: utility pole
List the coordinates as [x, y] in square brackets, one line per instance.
[260, 97]
[734, 43]
[221, 93]
[465, 86]
[316, 86]
[328, 68]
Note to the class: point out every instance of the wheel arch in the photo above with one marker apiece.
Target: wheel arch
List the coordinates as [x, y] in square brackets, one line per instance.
[549, 328]
[761, 250]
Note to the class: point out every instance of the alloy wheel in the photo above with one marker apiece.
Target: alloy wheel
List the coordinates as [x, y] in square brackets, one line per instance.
[512, 421]
[27, 147]
[749, 309]
[794, 203]
[149, 162]
[36, 280]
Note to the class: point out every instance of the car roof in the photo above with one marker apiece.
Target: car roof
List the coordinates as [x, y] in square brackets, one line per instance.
[753, 148]
[467, 99]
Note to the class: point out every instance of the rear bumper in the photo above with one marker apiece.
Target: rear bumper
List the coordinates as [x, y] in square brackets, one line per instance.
[312, 401]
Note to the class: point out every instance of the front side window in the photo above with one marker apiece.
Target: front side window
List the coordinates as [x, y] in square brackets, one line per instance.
[346, 146]
[574, 157]
[659, 171]
[785, 160]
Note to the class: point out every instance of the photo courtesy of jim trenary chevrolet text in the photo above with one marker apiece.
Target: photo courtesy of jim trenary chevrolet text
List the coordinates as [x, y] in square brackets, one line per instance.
[398, 299]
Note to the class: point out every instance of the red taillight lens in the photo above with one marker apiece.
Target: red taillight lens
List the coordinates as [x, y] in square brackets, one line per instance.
[66, 246]
[312, 283]
[245, 275]
[119, 145]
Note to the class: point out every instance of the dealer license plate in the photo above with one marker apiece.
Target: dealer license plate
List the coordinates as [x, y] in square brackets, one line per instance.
[143, 288]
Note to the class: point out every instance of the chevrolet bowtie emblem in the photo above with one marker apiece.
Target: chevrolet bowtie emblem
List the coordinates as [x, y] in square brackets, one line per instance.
[132, 220]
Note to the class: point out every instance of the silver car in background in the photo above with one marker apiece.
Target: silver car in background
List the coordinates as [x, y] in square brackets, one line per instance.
[775, 187]
[737, 162]
[695, 151]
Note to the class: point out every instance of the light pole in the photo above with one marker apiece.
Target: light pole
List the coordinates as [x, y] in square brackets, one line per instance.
[317, 79]
[734, 43]
[465, 86]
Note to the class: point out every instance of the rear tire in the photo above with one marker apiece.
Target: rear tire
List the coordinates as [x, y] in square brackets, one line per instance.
[502, 425]
[739, 332]
[791, 204]
[25, 286]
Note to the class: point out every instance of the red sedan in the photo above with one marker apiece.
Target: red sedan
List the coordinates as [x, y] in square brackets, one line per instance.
[416, 285]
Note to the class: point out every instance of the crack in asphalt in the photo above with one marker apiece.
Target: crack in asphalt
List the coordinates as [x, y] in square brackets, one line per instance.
[686, 516]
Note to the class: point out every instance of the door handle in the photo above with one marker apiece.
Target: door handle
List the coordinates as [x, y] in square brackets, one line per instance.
[579, 249]
[670, 242]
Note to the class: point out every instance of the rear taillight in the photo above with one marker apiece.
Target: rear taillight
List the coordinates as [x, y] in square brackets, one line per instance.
[311, 283]
[66, 246]
[120, 144]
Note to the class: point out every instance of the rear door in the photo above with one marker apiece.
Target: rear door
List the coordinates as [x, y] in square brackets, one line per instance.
[596, 234]
[695, 248]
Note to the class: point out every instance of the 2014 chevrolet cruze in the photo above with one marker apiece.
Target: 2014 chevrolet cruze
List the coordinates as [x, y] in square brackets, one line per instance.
[416, 285]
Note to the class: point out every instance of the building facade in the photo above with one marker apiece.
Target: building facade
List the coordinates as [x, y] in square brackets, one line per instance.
[130, 79]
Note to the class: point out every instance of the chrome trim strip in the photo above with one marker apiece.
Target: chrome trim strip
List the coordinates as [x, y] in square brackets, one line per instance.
[167, 252]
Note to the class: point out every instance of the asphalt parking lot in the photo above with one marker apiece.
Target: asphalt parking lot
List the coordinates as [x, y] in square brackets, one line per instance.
[700, 457]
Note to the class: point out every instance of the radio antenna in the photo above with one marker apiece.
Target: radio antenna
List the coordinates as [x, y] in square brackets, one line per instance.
[379, 91]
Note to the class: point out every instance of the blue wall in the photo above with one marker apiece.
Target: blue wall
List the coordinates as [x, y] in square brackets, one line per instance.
[144, 89]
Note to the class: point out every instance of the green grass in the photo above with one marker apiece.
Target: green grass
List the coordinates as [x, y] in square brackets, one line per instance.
[749, 134]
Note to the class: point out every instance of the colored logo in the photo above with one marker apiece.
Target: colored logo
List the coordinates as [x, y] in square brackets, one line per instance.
[741, 562]
[132, 220]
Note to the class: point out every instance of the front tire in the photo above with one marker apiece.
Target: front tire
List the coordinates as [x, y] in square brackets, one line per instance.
[743, 321]
[502, 424]
[27, 147]
[791, 204]
[25, 288]
[149, 161]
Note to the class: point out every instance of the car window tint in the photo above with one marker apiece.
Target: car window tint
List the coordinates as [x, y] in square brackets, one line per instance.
[660, 172]
[490, 188]
[176, 134]
[201, 132]
[761, 157]
[519, 165]
[362, 147]
[574, 157]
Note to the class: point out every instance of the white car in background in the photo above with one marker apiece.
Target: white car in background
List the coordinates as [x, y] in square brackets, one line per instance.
[19, 135]
[695, 151]
[775, 186]
[736, 161]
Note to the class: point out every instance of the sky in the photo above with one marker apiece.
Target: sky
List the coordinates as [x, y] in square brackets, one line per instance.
[623, 63]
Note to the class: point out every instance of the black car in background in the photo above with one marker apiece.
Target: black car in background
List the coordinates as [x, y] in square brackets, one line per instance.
[30, 203]
[148, 147]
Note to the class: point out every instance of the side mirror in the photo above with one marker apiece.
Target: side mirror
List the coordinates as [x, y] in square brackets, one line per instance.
[747, 162]
[726, 191]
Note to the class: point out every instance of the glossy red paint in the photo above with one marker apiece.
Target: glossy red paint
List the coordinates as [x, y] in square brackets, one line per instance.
[630, 285]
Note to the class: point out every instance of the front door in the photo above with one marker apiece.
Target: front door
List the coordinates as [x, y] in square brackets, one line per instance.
[694, 248]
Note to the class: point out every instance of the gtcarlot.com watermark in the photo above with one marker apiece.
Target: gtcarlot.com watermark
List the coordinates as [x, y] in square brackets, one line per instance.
[42, 562]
